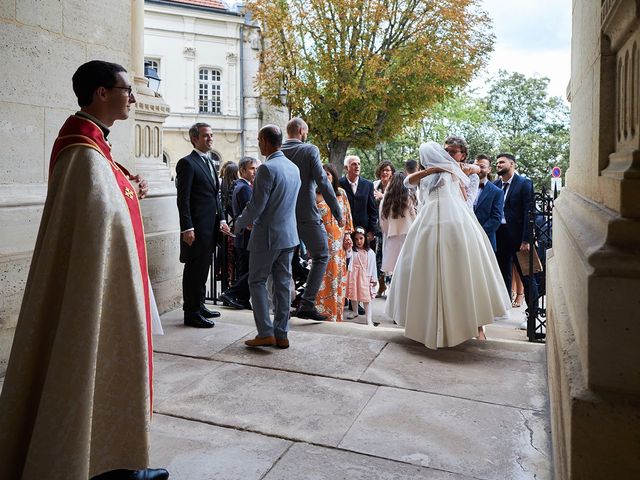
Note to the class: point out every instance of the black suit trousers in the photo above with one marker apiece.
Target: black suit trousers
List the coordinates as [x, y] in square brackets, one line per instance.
[506, 256]
[240, 289]
[194, 280]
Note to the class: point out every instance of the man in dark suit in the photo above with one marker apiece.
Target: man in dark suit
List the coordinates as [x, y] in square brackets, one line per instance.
[489, 203]
[364, 212]
[238, 295]
[310, 227]
[513, 234]
[200, 214]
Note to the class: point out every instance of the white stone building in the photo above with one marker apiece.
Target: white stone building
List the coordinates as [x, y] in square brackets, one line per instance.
[207, 55]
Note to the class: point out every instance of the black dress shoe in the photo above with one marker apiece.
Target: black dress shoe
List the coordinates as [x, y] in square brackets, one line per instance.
[246, 304]
[198, 321]
[206, 313]
[310, 313]
[229, 301]
[361, 310]
[146, 474]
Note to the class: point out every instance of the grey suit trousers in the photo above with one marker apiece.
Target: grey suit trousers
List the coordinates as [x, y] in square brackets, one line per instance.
[278, 264]
[314, 237]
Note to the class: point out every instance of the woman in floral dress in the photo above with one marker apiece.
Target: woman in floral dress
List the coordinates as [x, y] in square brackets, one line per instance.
[330, 299]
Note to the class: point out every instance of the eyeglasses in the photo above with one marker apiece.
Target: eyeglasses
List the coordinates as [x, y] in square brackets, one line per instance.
[452, 151]
[129, 89]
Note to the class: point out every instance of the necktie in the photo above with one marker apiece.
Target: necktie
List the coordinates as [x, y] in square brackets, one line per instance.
[481, 186]
[504, 187]
[210, 165]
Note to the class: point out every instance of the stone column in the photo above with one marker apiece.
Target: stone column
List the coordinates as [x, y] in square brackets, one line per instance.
[593, 278]
[159, 208]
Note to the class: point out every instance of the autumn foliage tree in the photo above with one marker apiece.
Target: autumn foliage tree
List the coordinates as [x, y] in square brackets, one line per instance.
[359, 70]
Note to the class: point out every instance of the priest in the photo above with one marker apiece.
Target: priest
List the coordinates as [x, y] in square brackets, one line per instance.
[77, 395]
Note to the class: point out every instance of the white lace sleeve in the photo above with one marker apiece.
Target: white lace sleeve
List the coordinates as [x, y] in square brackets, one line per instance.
[472, 189]
[406, 183]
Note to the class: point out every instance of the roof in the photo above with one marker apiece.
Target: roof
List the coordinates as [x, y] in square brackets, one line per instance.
[218, 4]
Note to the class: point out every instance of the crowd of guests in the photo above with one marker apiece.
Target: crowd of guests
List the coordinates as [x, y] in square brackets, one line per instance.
[363, 244]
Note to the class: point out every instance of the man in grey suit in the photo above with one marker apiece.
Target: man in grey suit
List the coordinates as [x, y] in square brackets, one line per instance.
[274, 235]
[310, 227]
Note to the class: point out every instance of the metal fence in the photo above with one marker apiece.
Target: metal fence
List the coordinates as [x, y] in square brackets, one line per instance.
[540, 229]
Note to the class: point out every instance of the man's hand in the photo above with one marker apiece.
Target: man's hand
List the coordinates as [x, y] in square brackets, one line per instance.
[143, 186]
[341, 223]
[189, 237]
[224, 228]
[524, 247]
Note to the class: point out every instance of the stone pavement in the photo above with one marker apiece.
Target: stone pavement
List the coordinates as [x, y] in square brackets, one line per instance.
[348, 401]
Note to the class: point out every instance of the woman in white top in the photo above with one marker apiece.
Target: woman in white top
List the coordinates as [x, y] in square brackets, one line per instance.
[397, 213]
[446, 283]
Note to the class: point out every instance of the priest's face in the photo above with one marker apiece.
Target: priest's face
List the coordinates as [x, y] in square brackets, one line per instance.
[120, 98]
[204, 142]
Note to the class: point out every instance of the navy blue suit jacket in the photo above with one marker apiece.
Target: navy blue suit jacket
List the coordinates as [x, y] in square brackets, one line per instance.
[241, 196]
[516, 209]
[364, 211]
[488, 210]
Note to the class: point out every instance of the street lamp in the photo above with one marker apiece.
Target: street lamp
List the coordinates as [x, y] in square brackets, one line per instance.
[151, 75]
[284, 93]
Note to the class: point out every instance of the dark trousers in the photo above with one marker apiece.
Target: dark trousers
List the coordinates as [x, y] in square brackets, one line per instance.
[194, 281]
[240, 289]
[506, 256]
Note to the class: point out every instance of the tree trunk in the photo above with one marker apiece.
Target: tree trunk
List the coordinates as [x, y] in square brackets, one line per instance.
[337, 152]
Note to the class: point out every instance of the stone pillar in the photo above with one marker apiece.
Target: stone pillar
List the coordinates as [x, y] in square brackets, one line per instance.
[593, 278]
[160, 215]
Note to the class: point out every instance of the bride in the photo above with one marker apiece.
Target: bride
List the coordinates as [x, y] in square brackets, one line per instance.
[447, 283]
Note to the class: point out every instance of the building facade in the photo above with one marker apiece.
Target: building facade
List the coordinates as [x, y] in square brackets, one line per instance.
[207, 56]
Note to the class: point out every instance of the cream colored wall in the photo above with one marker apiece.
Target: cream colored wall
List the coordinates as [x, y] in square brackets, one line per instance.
[43, 43]
[593, 275]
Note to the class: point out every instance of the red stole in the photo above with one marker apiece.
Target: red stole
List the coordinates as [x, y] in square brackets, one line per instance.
[79, 131]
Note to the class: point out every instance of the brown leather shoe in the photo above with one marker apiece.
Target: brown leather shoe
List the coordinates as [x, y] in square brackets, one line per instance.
[282, 342]
[261, 342]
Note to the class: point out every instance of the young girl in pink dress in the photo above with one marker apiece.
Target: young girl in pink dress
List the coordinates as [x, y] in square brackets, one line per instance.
[362, 275]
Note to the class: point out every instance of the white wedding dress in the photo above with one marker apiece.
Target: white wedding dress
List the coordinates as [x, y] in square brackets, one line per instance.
[447, 281]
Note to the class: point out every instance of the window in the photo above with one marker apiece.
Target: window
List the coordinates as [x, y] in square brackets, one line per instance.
[153, 63]
[209, 91]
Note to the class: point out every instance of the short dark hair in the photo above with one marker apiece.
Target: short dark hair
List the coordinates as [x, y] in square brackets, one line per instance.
[455, 141]
[272, 134]
[411, 166]
[92, 75]
[506, 155]
[194, 131]
[246, 162]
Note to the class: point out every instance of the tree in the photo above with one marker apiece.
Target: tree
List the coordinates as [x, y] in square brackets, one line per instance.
[532, 125]
[359, 70]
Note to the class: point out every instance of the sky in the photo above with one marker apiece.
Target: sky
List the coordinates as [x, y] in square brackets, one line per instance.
[533, 37]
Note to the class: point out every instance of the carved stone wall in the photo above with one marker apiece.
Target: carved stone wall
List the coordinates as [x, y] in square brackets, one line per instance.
[593, 276]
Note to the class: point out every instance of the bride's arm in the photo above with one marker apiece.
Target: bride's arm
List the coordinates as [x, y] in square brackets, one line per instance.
[413, 179]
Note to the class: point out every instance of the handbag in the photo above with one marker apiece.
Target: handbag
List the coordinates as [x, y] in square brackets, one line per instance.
[523, 260]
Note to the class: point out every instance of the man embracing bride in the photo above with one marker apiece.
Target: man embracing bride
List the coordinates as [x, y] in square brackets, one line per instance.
[447, 283]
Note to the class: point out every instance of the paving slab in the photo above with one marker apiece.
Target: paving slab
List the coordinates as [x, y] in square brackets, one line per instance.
[329, 355]
[172, 373]
[197, 451]
[491, 442]
[197, 342]
[290, 405]
[464, 372]
[309, 462]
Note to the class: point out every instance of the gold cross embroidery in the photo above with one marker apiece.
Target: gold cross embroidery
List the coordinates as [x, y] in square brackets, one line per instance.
[128, 192]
